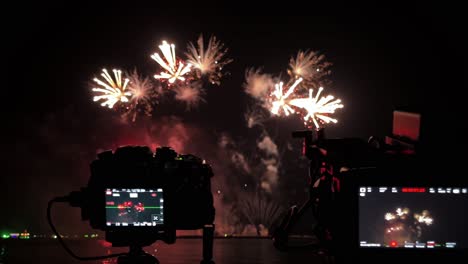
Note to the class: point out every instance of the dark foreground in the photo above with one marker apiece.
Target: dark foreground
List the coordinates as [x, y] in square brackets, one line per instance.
[226, 251]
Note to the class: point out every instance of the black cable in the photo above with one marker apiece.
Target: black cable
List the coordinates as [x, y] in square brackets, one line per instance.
[49, 219]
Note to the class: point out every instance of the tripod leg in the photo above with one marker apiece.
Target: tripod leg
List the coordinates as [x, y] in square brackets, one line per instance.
[208, 236]
[280, 236]
[296, 216]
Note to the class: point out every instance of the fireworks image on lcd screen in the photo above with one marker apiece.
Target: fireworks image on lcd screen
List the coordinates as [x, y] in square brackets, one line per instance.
[402, 226]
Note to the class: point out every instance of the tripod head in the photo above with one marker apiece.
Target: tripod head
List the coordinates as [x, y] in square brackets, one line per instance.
[137, 255]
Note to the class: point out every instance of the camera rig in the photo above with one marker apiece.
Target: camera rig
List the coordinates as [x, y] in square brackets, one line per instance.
[336, 166]
[183, 181]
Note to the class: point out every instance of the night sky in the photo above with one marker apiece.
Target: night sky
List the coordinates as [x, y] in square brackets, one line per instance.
[384, 59]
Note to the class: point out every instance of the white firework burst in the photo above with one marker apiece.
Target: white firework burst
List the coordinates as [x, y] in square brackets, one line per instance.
[175, 69]
[111, 90]
[280, 100]
[317, 108]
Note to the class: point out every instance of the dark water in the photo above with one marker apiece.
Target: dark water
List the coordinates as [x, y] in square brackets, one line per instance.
[183, 251]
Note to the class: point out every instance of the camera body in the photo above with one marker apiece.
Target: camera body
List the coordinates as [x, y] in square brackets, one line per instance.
[154, 194]
[391, 204]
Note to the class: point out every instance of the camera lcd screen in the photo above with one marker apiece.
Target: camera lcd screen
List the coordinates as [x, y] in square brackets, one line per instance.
[413, 217]
[134, 207]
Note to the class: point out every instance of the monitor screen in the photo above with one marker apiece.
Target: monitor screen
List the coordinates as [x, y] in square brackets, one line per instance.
[134, 207]
[413, 217]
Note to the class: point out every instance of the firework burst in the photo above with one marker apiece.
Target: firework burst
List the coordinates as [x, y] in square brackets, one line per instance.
[210, 61]
[424, 218]
[310, 66]
[317, 108]
[307, 69]
[112, 90]
[143, 96]
[258, 209]
[281, 100]
[401, 226]
[175, 69]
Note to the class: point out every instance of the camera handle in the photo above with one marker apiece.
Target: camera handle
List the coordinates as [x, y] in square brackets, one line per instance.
[137, 255]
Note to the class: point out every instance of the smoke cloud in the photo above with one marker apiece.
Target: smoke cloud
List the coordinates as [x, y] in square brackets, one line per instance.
[268, 146]
[271, 163]
[257, 84]
[191, 95]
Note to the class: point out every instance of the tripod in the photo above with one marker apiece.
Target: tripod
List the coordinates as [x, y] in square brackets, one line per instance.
[136, 255]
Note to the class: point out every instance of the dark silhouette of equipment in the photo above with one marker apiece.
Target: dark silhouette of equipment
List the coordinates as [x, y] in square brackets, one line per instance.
[336, 166]
[186, 202]
[137, 255]
[322, 185]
